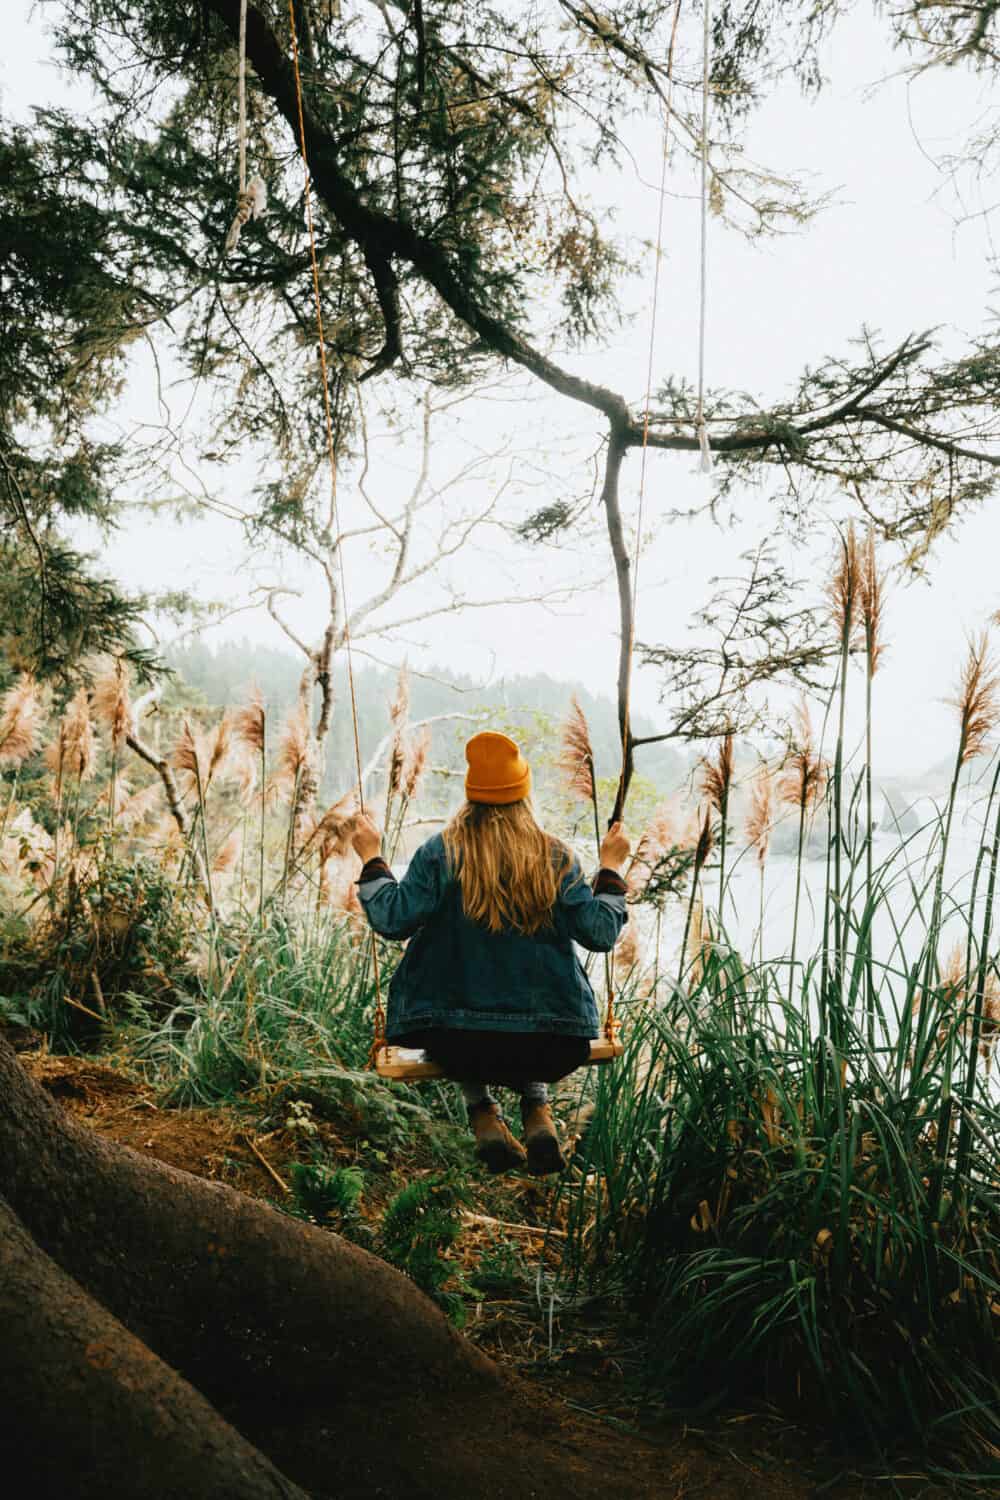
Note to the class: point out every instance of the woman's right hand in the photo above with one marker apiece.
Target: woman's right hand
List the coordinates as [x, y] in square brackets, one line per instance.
[366, 838]
[615, 848]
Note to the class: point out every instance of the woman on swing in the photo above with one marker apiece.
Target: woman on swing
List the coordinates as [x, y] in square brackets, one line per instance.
[489, 986]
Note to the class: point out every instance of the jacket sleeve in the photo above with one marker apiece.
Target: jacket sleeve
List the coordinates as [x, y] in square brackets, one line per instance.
[595, 915]
[398, 908]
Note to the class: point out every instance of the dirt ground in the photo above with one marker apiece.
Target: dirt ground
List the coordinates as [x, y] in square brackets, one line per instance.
[601, 1431]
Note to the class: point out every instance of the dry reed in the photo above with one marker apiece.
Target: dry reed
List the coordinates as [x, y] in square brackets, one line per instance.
[978, 699]
[112, 705]
[248, 724]
[844, 588]
[871, 584]
[415, 761]
[576, 755]
[294, 748]
[399, 708]
[628, 949]
[185, 755]
[135, 808]
[657, 839]
[73, 751]
[20, 718]
[760, 817]
[804, 775]
[705, 842]
[697, 944]
[226, 856]
[717, 776]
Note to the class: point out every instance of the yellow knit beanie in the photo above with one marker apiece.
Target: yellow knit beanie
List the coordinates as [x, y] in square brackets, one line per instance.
[497, 771]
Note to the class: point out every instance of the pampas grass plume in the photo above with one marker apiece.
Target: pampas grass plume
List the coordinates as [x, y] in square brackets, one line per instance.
[112, 705]
[706, 841]
[294, 745]
[656, 840]
[217, 747]
[248, 723]
[717, 775]
[760, 816]
[978, 700]
[415, 756]
[72, 752]
[576, 755]
[872, 591]
[804, 778]
[628, 949]
[20, 716]
[227, 855]
[399, 708]
[844, 588]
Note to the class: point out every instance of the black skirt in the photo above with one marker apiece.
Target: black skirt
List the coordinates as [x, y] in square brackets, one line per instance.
[508, 1058]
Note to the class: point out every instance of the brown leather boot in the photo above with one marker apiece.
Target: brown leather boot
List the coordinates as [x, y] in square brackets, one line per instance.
[544, 1152]
[496, 1148]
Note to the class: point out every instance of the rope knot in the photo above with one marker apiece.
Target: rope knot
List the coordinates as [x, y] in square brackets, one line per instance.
[706, 448]
[249, 205]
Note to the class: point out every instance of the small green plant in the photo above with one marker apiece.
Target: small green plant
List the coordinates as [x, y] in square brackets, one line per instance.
[418, 1227]
[501, 1270]
[326, 1192]
[299, 1121]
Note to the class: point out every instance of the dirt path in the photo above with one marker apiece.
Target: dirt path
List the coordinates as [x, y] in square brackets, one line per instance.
[739, 1458]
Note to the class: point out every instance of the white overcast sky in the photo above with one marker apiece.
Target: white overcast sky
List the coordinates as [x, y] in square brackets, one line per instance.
[888, 253]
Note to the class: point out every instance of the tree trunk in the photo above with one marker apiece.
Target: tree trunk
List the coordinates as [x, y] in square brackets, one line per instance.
[136, 1298]
[237, 1296]
[84, 1403]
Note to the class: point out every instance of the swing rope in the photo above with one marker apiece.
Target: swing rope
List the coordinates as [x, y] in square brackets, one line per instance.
[242, 92]
[378, 1040]
[609, 1018]
[703, 443]
[251, 208]
[252, 199]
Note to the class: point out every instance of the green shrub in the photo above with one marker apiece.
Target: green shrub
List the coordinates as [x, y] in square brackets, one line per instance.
[121, 931]
[418, 1226]
[331, 1197]
[782, 1219]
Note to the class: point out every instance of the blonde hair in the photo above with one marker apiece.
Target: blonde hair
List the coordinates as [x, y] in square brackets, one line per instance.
[508, 868]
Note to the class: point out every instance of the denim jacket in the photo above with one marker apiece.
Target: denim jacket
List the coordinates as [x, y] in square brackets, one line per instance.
[455, 973]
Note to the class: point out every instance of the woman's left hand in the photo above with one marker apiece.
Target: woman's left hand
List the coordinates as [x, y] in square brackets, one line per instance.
[366, 838]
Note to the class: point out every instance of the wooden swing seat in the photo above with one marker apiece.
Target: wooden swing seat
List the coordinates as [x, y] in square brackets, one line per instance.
[407, 1066]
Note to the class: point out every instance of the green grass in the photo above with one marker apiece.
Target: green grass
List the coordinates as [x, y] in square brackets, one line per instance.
[763, 1182]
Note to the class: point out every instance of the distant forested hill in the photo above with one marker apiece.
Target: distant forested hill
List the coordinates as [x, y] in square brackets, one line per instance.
[532, 708]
